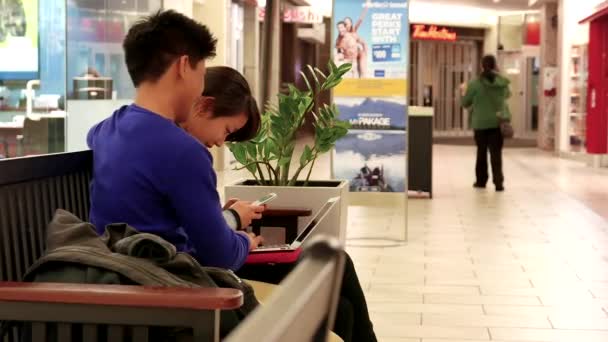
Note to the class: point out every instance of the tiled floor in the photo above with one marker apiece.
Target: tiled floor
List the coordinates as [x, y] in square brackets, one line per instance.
[530, 264]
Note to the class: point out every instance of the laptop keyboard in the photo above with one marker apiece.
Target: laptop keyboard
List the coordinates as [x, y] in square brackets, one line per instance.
[278, 246]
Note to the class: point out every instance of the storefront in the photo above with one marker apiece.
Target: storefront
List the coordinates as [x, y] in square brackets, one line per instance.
[519, 61]
[583, 130]
[597, 93]
[442, 58]
[62, 70]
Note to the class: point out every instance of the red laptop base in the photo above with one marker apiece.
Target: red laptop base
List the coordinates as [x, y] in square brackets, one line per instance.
[276, 257]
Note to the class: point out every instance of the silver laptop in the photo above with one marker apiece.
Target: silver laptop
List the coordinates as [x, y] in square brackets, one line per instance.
[312, 225]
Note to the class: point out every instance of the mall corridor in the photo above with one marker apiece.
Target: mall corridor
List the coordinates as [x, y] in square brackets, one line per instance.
[529, 264]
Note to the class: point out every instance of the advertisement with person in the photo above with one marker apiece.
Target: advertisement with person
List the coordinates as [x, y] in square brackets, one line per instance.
[372, 155]
[373, 37]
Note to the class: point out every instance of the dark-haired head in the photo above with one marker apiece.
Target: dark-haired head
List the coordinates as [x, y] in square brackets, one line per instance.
[227, 110]
[341, 27]
[489, 67]
[168, 46]
[348, 21]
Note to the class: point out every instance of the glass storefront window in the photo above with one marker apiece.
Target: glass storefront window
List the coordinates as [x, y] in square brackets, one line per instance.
[66, 54]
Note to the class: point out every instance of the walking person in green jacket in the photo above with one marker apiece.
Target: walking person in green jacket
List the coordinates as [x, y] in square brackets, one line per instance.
[486, 99]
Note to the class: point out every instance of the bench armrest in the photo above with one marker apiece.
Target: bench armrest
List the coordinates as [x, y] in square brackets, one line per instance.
[122, 295]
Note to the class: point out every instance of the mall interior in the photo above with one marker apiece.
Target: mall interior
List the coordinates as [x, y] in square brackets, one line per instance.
[383, 166]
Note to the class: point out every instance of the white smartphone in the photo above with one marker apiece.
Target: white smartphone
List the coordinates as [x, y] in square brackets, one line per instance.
[265, 199]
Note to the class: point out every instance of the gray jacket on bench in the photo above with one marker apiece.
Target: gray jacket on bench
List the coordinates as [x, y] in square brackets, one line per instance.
[122, 255]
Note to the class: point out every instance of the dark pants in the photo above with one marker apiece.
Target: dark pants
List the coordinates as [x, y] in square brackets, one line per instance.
[352, 319]
[489, 139]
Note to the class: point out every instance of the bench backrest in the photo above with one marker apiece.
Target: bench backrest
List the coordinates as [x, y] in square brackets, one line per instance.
[31, 189]
[305, 305]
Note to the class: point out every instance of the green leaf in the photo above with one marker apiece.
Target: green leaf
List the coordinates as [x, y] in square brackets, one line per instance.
[331, 66]
[252, 168]
[240, 153]
[314, 75]
[320, 73]
[252, 150]
[305, 80]
[306, 155]
[284, 161]
[332, 84]
[344, 68]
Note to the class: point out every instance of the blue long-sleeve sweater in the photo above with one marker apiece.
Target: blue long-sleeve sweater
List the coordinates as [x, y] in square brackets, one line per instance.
[149, 173]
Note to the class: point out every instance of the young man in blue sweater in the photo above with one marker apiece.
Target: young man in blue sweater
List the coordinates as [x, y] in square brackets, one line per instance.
[150, 173]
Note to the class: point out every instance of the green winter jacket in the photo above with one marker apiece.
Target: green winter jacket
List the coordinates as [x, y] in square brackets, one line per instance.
[487, 101]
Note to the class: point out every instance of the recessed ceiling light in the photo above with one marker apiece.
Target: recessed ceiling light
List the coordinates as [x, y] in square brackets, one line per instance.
[496, 1]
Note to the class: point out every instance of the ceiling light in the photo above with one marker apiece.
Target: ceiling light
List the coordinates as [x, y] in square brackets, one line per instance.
[496, 1]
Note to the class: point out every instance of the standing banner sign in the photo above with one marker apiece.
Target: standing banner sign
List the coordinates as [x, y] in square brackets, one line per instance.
[373, 35]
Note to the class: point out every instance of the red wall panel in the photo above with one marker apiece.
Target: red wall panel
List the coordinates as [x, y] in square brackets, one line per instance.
[597, 94]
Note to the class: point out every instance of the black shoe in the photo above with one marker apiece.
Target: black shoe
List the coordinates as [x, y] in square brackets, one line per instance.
[500, 188]
[479, 186]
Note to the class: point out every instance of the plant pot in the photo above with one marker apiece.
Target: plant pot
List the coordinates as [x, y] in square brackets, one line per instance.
[313, 196]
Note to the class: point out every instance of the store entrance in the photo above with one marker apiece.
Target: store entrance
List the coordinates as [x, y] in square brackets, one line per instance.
[522, 69]
[436, 71]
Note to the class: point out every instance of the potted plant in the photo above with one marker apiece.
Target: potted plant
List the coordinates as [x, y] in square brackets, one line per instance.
[270, 160]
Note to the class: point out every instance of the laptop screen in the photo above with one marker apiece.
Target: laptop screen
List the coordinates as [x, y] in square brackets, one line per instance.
[316, 219]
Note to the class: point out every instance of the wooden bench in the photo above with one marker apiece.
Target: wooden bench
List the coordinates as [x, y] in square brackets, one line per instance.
[31, 189]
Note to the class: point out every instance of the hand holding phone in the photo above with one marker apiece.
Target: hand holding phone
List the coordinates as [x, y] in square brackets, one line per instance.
[271, 196]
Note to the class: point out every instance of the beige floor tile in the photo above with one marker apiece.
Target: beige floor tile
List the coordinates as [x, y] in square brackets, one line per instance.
[452, 281]
[569, 322]
[565, 299]
[572, 310]
[478, 299]
[395, 318]
[391, 288]
[557, 292]
[403, 279]
[548, 335]
[486, 321]
[429, 308]
[419, 331]
[451, 340]
[397, 339]
[395, 296]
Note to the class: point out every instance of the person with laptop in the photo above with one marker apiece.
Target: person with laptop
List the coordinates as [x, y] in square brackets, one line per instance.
[150, 173]
[228, 94]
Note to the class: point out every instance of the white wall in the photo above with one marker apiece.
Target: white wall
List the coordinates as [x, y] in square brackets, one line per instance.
[452, 15]
[216, 14]
[570, 33]
[182, 6]
[84, 114]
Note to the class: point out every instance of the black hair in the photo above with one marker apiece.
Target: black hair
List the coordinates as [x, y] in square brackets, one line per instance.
[349, 18]
[489, 67]
[232, 96]
[341, 22]
[156, 41]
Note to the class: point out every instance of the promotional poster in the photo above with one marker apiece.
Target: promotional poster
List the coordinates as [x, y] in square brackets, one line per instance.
[372, 155]
[373, 37]
[372, 160]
